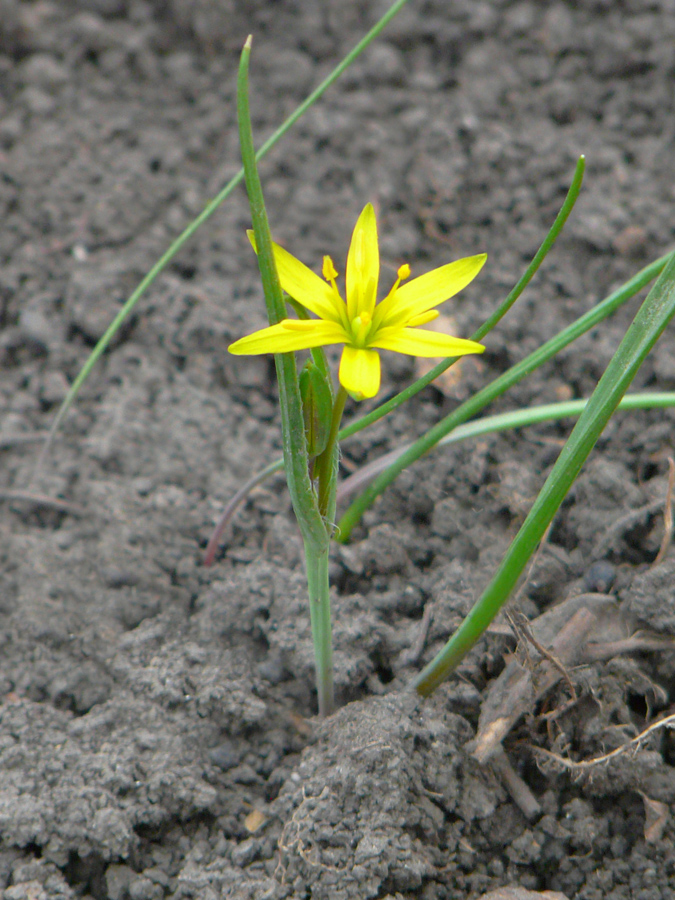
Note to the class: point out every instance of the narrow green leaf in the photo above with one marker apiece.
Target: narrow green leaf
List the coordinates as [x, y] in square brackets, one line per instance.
[206, 214]
[296, 461]
[496, 388]
[306, 506]
[527, 276]
[517, 418]
[649, 323]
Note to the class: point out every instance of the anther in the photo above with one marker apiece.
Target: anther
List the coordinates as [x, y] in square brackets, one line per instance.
[329, 271]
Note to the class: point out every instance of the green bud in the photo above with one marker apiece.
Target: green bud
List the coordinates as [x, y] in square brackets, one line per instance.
[317, 407]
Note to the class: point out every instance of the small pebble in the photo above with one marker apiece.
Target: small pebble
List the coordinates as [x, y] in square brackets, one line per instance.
[144, 889]
[272, 670]
[117, 880]
[34, 325]
[37, 101]
[244, 853]
[115, 577]
[44, 70]
[632, 241]
[224, 756]
[600, 576]
[54, 388]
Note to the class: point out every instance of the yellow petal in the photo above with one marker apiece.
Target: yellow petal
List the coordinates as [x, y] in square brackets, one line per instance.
[363, 265]
[421, 342]
[360, 372]
[289, 335]
[423, 293]
[305, 286]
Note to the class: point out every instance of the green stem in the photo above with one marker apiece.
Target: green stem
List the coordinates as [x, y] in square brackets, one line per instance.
[296, 460]
[319, 610]
[326, 464]
[312, 526]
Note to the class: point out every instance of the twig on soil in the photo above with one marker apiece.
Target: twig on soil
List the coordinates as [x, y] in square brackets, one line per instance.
[521, 625]
[639, 641]
[668, 722]
[42, 500]
[18, 440]
[520, 793]
[622, 524]
[515, 692]
[581, 630]
[667, 514]
[230, 510]
[410, 656]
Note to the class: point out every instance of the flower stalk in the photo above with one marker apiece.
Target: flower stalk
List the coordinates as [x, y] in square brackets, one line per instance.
[311, 522]
[318, 587]
[326, 464]
[363, 326]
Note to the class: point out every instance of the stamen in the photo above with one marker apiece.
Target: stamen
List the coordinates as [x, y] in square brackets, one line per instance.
[401, 275]
[423, 318]
[329, 271]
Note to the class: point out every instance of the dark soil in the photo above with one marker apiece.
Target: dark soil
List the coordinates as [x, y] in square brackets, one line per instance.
[157, 736]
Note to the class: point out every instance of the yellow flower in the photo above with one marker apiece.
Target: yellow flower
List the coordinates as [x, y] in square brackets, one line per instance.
[361, 324]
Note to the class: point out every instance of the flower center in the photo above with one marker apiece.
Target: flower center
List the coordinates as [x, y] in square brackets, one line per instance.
[361, 328]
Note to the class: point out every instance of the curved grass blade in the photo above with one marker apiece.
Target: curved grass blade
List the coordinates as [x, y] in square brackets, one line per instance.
[296, 462]
[497, 315]
[233, 505]
[208, 211]
[496, 388]
[309, 511]
[517, 418]
[648, 325]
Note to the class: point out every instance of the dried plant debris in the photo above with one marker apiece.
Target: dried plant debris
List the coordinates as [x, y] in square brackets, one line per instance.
[584, 629]
[518, 893]
[656, 818]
